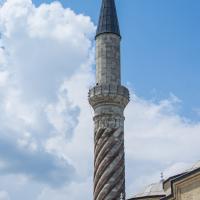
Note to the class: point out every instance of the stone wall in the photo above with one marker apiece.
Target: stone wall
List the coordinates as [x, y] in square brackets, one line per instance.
[187, 188]
[109, 102]
[108, 59]
[190, 189]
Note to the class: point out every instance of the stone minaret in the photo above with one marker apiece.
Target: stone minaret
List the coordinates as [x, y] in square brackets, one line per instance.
[108, 99]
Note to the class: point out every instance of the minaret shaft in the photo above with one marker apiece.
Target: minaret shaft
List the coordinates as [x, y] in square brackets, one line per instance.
[108, 59]
[108, 99]
[109, 102]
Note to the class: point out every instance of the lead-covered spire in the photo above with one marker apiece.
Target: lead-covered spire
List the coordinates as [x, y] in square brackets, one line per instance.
[108, 21]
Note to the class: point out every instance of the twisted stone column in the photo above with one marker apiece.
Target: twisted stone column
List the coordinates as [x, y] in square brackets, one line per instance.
[108, 99]
[109, 102]
[109, 175]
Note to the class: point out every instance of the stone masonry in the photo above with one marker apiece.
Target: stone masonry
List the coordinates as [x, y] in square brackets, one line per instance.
[108, 59]
[108, 99]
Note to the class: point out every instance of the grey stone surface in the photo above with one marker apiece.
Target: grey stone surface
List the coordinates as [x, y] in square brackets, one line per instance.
[108, 59]
[108, 99]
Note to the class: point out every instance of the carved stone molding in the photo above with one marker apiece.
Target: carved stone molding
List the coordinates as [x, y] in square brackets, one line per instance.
[109, 174]
[108, 94]
[108, 121]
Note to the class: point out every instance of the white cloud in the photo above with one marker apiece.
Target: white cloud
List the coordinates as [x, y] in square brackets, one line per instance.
[163, 133]
[4, 195]
[3, 78]
[42, 49]
[158, 140]
[62, 118]
[32, 36]
[76, 190]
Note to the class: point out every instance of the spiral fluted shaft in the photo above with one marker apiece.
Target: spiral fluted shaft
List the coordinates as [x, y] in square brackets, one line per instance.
[109, 102]
[109, 175]
[108, 98]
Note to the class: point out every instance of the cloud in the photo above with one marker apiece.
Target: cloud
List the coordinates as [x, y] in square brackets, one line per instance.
[41, 48]
[63, 119]
[159, 127]
[39, 165]
[165, 135]
[158, 140]
[4, 195]
[84, 191]
[44, 39]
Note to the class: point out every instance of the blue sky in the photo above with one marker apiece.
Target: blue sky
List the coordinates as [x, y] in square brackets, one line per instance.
[160, 47]
[46, 69]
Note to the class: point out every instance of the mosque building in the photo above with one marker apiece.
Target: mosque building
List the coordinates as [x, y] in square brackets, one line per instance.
[183, 186]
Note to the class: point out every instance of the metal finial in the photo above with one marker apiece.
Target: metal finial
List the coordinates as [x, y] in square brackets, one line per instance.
[162, 177]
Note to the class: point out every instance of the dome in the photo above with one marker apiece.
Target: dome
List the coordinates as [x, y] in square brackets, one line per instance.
[155, 189]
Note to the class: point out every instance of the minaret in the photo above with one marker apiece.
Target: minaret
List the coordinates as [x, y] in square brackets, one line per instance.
[108, 99]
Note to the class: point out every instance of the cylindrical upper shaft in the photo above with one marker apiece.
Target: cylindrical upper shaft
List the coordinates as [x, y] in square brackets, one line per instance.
[108, 59]
[108, 46]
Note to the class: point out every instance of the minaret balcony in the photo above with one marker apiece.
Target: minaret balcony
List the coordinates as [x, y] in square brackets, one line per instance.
[108, 94]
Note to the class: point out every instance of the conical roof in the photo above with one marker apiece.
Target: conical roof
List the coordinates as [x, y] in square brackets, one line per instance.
[108, 21]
